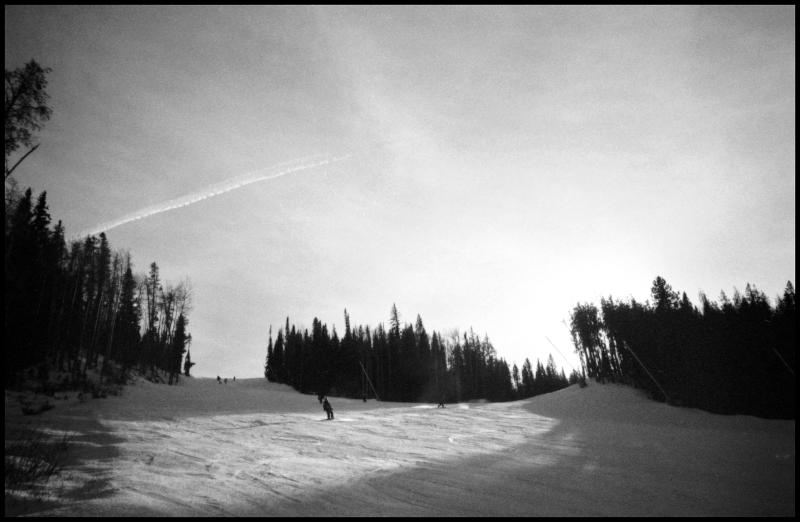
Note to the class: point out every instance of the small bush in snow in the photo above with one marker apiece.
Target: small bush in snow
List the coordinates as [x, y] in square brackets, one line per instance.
[31, 458]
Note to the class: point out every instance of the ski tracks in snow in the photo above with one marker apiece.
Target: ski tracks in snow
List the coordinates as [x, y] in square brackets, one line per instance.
[534, 457]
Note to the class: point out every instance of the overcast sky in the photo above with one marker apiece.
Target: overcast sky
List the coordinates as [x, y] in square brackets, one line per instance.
[493, 166]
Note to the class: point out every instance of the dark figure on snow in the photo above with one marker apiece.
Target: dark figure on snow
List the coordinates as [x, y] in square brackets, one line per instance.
[327, 407]
[219, 380]
[441, 403]
[320, 396]
[365, 398]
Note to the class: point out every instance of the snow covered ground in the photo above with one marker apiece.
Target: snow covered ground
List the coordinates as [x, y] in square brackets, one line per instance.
[253, 448]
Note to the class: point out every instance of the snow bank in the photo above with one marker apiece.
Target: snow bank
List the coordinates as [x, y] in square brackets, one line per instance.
[253, 448]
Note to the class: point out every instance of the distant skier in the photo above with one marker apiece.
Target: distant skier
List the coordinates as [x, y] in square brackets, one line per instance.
[365, 398]
[320, 396]
[327, 407]
[219, 380]
[441, 403]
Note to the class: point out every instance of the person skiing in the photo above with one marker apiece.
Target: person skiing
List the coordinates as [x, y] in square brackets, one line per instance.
[327, 407]
[441, 403]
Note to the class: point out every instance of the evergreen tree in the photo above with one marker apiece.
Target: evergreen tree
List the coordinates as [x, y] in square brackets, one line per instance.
[516, 378]
[527, 379]
[277, 361]
[540, 379]
[663, 295]
[179, 343]
[269, 373]
[187, 364]
[128, 319]
[394, 321]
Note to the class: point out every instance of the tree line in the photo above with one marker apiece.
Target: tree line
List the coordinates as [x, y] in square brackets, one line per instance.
[401, 362]
[735, 356]
[77, 307]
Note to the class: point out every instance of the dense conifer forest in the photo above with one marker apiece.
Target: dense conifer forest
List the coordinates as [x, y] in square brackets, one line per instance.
[402, 362]
[80, 307]
[735, 356]
[75, 306]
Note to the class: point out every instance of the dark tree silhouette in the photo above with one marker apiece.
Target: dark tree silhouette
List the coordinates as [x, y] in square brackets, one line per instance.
[736, 356]
[26, 109]
[187, 364]
[77, 307]
[404, 363]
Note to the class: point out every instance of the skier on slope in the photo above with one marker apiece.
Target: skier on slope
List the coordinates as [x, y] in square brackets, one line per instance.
[327, 407]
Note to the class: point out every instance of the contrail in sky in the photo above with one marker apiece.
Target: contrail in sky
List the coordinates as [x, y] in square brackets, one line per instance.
[217, 189]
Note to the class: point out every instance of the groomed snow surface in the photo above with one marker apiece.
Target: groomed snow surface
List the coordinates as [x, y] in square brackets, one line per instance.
[254, 448]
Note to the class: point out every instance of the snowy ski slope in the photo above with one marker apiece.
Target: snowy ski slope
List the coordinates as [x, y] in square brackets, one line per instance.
[253, 448]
